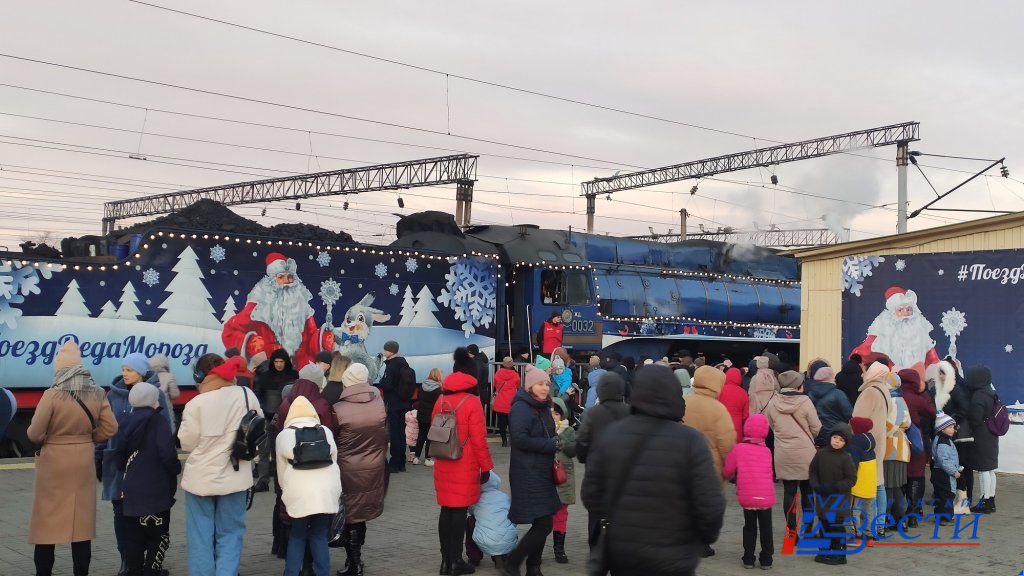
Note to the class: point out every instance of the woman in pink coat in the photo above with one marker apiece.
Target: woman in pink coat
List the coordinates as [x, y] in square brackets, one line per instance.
[751, 463]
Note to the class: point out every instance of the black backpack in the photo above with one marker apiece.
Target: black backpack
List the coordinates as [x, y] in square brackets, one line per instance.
[251, 434]
[407, 384]
[312, 450]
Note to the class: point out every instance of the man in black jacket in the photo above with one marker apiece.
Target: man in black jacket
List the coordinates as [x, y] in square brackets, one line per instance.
[669, 502]
[483, 375]
[396, 406]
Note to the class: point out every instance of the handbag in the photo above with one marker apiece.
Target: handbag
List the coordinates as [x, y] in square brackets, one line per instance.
[915, 439]
[558, 473]
[444, 433]
[336, 536]
[599, 563]
[962, 504]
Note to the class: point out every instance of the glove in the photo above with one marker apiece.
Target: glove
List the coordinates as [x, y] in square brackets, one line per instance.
[485, 476]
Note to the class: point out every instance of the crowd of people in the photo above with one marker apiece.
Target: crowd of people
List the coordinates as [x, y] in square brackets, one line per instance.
[659, 441]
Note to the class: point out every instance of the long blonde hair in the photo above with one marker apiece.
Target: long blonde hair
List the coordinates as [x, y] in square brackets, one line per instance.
[339, 363]
[435, 374]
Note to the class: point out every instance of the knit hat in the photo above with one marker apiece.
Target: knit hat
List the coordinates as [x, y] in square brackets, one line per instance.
[473, 349]
[841, 429]
[542, 363]
[136, 361]
[507, 362]
[355, 374]
[391, 346]
[144, 395]
[559, 405]
[69, 355]
[324, 356]
[790, 380]
[861, 425]
[312, 372]
[943, 421]
[232, 352]
[824, 374]
[229, 369]
[301, 408]
[533, 376]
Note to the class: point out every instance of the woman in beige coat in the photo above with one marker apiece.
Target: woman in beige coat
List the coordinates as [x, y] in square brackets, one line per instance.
[64, 506]
[795, 423]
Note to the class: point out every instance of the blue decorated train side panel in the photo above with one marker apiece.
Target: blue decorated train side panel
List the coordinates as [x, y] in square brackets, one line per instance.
[187, 294]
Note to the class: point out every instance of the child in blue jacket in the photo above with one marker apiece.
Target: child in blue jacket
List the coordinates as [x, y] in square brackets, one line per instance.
[494, 533]
[946, 466]
[147, 458]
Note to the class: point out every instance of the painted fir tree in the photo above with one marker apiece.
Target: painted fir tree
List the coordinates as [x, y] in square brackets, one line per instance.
[408, 303]
[109, 310]
[425, 309]
[73, 303]
[229, 309]
[189, 301]
[129, 309]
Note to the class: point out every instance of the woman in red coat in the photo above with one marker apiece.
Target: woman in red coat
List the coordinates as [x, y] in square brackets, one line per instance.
[735, 399]
[551, 333]
[457, 482]
[922, 412]
[506, 384]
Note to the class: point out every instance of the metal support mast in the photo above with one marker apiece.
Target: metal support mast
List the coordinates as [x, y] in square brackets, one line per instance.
[902, 159]
[456, 169]
[760, 157]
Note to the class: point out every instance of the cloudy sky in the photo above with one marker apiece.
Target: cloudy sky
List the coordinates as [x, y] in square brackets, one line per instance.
[780, 71]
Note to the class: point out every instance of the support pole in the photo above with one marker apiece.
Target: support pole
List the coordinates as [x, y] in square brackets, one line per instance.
[464, 202]
[591, 209]
[682, 223]
[902, 158]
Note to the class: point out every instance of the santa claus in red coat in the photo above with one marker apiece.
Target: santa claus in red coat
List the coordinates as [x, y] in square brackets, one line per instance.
[900, 332]
[277, 315]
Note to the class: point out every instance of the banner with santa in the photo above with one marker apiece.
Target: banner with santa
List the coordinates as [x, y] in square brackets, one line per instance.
[184, 294]
[918, 309]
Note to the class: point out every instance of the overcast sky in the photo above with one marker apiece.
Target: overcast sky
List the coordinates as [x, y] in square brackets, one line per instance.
[779, 71]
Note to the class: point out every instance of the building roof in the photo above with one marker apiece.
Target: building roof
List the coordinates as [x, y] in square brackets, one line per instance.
[911, 239]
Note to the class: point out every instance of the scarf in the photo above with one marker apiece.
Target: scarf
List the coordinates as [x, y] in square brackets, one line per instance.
[76, 381]
[430, 385]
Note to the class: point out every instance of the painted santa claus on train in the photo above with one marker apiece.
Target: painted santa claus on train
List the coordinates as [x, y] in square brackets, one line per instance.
[900, 332]
[277, 315]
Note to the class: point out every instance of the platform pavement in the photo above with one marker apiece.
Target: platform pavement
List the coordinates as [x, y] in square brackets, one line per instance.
[403, 541]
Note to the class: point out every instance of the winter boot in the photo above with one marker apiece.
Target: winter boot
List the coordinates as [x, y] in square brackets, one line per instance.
[991, 505]
[459, 567]
[124, 567]
[559, 540]
[354, 564]
[981, 508]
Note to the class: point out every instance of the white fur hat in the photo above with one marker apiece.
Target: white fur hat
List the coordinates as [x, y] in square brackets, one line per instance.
[278, 263]
[896, 297]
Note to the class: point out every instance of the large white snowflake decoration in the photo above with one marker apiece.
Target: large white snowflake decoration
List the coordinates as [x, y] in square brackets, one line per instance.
[218, 253]
[330, 292]
[323, 259]
[856, 269]
[470, 292]
[16, 282]
[900, 265]
[393, 289]
[150, 277]
[953, 322]
[381, 270]
[411, 265]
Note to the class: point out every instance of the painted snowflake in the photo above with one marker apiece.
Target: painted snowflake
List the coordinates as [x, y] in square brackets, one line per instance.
[856, 269]
[393, 289]
[941, 272]
[411, 265]
[330, 292]
[953, 322]
[150, 277]
[381, 270]
[1008, 348]
[900, 265]
[218, 253]
[17, 282]
[323, 259]
[470, 292]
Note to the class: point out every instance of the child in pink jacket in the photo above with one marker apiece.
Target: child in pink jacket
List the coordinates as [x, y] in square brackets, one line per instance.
[412, 432]
[750, 462]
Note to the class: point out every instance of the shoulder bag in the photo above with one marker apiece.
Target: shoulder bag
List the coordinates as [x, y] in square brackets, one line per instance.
[558, 473]
[599, 562]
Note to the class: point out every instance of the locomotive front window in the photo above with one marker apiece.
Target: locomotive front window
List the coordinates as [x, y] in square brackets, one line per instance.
[566, 288]
[577, 288]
